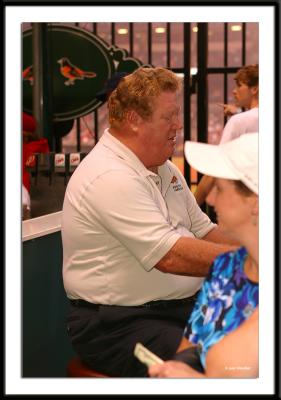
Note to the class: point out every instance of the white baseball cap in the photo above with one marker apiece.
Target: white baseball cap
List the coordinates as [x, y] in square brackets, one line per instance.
[237, 159]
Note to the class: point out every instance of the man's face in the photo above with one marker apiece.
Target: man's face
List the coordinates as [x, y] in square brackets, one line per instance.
[158, 134]
[244, 94]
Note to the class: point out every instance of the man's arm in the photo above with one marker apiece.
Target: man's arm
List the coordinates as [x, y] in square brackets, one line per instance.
[203, 189]
[217, 236]
[191, 257]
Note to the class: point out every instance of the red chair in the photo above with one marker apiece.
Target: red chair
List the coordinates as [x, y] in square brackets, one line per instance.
[77, 369]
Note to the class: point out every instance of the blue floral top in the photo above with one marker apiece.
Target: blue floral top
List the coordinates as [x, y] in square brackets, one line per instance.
[226, 299]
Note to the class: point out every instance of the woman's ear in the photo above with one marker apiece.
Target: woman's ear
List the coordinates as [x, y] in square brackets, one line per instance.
[255, 206]
[255, 91]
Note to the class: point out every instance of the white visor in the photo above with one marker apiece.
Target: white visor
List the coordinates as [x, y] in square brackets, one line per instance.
[237, 159]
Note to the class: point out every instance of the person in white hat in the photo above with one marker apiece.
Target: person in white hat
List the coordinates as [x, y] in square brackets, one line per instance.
[230, 292]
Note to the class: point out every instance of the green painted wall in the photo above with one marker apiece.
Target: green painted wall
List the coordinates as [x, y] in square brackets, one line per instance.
[45, 345]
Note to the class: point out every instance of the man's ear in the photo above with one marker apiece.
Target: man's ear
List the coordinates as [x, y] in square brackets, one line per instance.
[133, 119]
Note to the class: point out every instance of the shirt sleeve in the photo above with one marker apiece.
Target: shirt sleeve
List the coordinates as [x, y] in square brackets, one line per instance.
[201, 224]
[125, 207]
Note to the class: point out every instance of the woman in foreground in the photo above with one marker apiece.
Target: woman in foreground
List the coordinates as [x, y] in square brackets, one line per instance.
[223, 327]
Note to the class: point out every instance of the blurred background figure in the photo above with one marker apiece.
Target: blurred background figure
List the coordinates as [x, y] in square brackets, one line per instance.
[246, 95]
[31, 144]
[230, 109]
[25, 203]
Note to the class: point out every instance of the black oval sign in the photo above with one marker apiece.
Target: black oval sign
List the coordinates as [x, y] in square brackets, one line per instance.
[80, 65]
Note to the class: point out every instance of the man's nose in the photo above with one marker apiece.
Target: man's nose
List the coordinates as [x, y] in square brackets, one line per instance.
[178, 122]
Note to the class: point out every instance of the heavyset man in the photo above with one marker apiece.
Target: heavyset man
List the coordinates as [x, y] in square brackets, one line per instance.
[132, 232]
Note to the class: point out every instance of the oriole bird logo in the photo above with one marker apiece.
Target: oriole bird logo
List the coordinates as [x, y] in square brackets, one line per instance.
[72, 72]
[27, 74]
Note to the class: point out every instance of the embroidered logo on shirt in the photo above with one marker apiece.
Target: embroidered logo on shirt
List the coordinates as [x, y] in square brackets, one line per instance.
[176, 184]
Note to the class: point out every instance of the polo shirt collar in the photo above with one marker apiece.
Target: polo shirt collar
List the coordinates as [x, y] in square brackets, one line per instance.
[167, 176]
[122, 151]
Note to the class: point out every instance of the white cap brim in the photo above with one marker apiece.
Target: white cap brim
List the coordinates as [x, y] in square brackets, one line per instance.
[209, 160]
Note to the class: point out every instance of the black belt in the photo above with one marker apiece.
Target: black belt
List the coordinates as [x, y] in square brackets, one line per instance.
[152, 304]
[83, 303]
[169, 303]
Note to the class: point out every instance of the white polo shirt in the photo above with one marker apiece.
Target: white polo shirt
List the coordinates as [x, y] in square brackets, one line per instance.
[119, 219]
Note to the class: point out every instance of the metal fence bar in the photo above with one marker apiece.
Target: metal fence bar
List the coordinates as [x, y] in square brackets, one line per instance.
[202, 103]
[131, 38]
[186, 94]
[243, 43]
[225, 62]
[149, 33]
[78, 134]
[112, 33]
[168, 41]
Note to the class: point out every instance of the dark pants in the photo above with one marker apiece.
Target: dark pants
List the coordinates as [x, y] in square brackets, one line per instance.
[104, 337]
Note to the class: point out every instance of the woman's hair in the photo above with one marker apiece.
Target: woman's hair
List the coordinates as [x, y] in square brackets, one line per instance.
[248, 75]
[138, 91]
[242, 188]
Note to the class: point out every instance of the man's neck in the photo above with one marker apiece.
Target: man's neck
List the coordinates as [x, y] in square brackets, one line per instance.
[153, 169]
[126, 138]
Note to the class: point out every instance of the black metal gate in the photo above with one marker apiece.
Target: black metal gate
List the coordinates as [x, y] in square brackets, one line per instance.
[205, 54]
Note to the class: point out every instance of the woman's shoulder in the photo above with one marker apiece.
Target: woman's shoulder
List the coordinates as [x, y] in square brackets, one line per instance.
[241, 252]
[229, 259]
